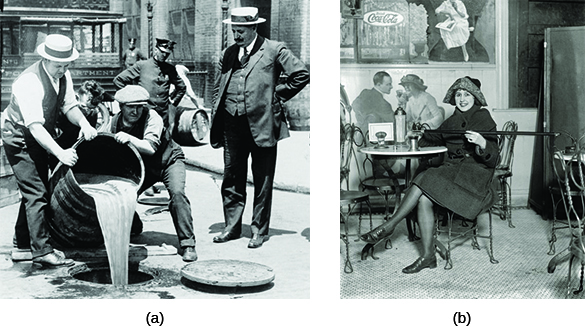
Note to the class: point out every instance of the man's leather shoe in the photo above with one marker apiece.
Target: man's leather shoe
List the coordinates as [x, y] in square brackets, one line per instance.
[420, 264]
[256, 241]
[53, 259]
[224, 237]
[189, 254]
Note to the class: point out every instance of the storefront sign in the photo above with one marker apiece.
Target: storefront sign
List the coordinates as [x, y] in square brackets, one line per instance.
[383, 18]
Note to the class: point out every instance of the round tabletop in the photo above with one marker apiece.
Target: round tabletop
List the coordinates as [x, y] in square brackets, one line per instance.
[228, 273]
[403, 151]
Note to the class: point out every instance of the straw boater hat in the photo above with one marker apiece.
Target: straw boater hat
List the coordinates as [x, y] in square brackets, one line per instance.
[58, 48]
[413, 79]
[132, 95]
[469, 84]
[244, 16]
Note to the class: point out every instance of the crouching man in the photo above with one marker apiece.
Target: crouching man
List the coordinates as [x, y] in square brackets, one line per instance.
[142, 127]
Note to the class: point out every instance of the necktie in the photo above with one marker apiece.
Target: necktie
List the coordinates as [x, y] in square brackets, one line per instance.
[245, 58]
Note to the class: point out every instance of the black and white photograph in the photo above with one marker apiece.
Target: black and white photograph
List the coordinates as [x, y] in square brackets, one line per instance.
[168, 163]
[155, 149]
[478, 195]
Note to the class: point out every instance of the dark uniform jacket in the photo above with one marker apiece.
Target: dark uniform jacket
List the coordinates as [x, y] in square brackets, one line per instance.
[157, 79]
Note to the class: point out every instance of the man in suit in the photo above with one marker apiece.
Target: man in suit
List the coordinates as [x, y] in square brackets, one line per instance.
[248, 119]
[370, 106]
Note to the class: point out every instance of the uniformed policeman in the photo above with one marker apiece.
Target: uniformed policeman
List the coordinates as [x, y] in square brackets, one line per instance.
[156, 76]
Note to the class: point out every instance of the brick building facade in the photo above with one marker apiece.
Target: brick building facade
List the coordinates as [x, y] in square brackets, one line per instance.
[197, 27]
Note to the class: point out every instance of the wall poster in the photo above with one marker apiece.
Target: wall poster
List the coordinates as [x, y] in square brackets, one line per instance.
[417, 31]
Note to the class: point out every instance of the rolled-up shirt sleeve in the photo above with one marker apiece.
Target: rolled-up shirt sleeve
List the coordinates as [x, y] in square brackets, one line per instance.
[28, 93]
[70, 100]
[153, 129]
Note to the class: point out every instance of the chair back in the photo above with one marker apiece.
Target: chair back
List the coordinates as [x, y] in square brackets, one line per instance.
[351, 137]
[506, 145]
[575, 178]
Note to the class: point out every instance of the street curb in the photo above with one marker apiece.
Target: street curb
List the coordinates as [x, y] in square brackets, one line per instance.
[277, 185]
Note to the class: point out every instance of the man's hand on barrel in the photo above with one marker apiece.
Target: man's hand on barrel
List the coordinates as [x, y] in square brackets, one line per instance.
[68, 157]
[123, 137]
[88, 132]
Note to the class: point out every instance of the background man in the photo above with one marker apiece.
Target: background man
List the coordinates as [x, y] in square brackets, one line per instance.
[370, 106]
[38, 95]
[157, 76]
[163, 158]
[132, 54]
[248, 119]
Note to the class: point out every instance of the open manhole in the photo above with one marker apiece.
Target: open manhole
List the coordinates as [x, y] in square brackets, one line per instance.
[102, 275]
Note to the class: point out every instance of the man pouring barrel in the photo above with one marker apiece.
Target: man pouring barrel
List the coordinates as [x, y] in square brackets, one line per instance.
[143, 128]
[39, 94]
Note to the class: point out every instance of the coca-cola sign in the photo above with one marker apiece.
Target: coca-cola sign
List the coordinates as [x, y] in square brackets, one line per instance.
[383, 18]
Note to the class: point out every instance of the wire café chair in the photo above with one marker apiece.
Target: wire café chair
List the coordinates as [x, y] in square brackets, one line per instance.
[569, 171]
[351, 138]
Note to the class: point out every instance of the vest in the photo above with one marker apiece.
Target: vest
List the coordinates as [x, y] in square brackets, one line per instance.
[52, 103]
[234, 96]
[168, 151]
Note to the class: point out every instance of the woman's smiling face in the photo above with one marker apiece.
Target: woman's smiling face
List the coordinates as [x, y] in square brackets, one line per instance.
[464, 100]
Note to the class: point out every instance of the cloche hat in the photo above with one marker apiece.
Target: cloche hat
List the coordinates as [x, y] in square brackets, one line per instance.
[132, 95]
[58, 48]
[413, 79]
[244, 16]
[469, 84]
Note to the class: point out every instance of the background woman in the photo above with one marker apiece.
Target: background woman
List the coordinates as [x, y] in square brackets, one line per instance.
[462, 183]
[421, 106]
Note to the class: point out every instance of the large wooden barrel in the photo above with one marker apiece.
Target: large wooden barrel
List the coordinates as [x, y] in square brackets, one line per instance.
[74, 221]
[191, 127]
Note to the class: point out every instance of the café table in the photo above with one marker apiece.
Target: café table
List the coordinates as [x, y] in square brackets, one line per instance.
[398, 152]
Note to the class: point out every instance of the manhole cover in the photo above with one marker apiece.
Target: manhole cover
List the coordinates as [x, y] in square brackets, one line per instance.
[228, 273]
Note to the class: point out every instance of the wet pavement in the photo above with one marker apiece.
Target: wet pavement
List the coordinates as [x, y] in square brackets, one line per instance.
[153, 259]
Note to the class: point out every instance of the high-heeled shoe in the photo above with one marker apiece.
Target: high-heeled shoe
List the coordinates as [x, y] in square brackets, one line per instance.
[420, 264]
[375, 235]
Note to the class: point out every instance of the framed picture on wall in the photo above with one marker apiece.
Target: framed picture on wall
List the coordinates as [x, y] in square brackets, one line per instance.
[374, 128]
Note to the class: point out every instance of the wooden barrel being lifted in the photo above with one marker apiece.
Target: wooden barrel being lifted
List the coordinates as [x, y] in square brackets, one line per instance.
[74, 221]
[191, 127]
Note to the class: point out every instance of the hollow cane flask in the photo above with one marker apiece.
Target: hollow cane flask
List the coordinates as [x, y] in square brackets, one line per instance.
[400, 129]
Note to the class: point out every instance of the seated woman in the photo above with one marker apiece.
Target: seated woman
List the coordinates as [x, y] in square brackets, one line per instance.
[462, 183]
